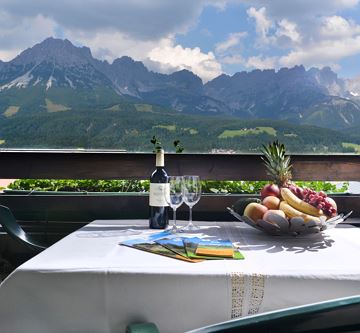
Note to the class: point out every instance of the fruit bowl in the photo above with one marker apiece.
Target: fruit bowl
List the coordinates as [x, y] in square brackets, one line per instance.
[294, 227]
[286, 208]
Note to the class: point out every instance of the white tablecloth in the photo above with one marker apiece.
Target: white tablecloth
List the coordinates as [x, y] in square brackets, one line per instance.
[88, 283]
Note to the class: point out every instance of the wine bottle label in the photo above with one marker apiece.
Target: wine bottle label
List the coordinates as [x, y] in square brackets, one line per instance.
[158, 193]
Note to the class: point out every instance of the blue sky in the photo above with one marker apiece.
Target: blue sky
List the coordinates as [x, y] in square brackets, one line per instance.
[209, 37]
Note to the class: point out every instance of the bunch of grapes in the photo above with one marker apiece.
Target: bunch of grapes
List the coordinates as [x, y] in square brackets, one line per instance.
[317, 199]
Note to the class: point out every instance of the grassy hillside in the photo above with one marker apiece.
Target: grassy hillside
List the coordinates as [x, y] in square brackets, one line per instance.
[99, 118]
[127, 125]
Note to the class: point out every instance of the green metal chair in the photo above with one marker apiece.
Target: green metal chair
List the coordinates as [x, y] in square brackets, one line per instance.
[339, 315]
[10, 225]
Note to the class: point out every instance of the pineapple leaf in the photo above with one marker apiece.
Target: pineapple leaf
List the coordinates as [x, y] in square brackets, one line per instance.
[276, 162]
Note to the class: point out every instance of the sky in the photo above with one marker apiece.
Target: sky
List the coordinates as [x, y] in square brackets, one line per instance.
[208, 37]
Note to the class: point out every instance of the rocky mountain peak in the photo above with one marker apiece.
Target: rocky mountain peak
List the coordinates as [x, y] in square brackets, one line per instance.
[353, 86]
[186, 80]
[53, 63]
[296, 69]
[54, 50]
[329, 80]
[125, 60]
[126, 64]
[186, 75]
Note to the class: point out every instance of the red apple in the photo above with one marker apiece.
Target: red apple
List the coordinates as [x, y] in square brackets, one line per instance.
[270, 190]
[271, 202]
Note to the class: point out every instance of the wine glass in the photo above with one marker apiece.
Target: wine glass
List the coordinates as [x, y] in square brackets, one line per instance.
[192, 193]
[174, 198]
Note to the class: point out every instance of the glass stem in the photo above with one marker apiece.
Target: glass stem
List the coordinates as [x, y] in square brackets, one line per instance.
[190, 215]
[174, 218]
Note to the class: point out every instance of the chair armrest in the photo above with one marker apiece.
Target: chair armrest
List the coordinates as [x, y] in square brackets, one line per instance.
[142, 328]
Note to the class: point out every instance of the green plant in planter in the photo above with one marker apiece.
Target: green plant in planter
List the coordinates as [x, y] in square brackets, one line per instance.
[158, 146]
[178, 146]
[83, 185]
[208, 186]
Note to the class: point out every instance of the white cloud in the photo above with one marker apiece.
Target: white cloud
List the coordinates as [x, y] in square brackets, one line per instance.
[261, 62]
[287, 33]
[111, 45]
[263, 24]
[313, 32]
[229, 51]
[232, 41]
[270, 32]
[338, 27]
[139, 19]
[323, 53]
[18, 34]
[161, 56]
[173, 57]
[300, 10]
[329, 40]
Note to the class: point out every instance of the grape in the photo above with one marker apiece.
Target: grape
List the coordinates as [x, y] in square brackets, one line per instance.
[316, 199]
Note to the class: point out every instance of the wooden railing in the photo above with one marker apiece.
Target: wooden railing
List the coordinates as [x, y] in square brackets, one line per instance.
[57, 215]
[51, 217]
[70, 164]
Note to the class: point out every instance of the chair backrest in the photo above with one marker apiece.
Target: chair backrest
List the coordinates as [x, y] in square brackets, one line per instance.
[9, 223]
[339, 315]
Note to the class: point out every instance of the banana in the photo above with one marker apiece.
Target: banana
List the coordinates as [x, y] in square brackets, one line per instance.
[292, 212]
[299, 204]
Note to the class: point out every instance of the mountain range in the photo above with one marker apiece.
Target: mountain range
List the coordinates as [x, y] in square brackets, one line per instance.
[55, 76]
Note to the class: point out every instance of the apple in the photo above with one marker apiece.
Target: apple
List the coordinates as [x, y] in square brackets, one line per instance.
[277, 217]
[332, 202]
[271, 202]
[268, 216]
[270, 190]
[255, 211]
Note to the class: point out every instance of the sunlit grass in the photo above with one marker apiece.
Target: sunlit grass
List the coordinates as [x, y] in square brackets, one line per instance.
[52, 107]
[115, 107]
[355, 146]
[167, 127]
[290, 135]
[247, 131]
[143, 107]
[11, 110]
[191, 131]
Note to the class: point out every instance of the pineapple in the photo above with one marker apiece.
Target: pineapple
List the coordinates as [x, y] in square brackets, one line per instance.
[277, 165]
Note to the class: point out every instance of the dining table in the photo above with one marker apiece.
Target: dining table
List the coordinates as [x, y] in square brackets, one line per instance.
[89, 282]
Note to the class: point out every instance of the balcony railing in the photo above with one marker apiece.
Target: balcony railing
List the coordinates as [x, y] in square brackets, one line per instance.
[75, 164]
[56, 215]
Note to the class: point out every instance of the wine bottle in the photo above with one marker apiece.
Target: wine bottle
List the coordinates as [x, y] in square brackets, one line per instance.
[159, 187]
